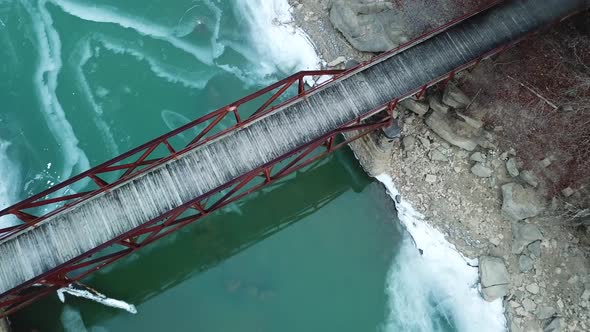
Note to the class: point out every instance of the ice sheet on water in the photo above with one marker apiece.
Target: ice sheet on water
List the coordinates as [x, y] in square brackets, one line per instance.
[277, 42]
[9, 183]
[96, 13]
[72, 321]
[45, 79]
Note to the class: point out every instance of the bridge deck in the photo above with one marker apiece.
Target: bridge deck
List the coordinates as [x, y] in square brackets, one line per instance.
[106, 216]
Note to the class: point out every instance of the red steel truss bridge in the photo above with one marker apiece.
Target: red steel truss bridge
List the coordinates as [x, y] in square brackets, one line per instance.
[165, 184]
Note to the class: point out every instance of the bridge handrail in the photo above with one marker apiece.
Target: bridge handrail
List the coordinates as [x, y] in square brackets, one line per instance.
[146, 149]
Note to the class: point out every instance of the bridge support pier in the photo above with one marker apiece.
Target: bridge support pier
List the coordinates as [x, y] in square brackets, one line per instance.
[4, 325]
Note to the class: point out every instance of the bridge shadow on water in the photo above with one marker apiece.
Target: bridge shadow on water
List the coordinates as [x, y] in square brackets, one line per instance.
[204, 245]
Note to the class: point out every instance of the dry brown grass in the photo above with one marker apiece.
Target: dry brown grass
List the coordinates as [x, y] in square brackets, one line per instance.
[538, 97]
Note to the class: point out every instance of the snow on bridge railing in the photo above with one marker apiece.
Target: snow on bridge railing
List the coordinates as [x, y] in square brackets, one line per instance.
[54, 200]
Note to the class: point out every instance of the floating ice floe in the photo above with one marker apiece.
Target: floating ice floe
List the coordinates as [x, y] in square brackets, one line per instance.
[93, 295]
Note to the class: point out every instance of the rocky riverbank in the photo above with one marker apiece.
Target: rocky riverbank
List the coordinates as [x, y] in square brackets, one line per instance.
[452, 169]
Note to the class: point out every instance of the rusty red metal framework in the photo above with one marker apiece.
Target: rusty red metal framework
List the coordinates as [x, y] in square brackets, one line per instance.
[160, 150]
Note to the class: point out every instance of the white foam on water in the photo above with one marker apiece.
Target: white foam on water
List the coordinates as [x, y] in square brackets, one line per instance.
[45, 80]
[95, 13]
[440, 283]
[9, 183]
[278, 43]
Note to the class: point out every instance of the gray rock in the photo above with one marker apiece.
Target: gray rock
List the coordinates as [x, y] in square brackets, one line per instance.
[409, 142]
[545, 162]
[529, 305]
[524, 234]
[493, 293]
[535, 249]
[477, 124]
[486, 139]
[512, 168]
[453, 131]
[338, 61]
[369, 27]
[437, 105]
[478, 156]
[567, 192]
[530, 178]
[533, 288]
[351, 64]
[425, 142]
[586, 295]
[520, 203]
[494, 277]
[554, 326]
[515, 327]
[454, 97]
[418, 107]
[391, 132]
[481, 171]
[436, 155]
[545, 312]
[525, 263]
[430, 178]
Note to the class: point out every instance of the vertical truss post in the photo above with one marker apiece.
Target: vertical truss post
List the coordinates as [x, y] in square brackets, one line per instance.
[422, 91]
[391, 107]
[301, 86]
[448, 79]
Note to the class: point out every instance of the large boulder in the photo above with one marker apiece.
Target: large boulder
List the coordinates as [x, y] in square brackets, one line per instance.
[494, 277]
[481, 171]
[520, 203]
[456, 132]
[369, 25]
[418, 107]
[454, 97]
[524, 234]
